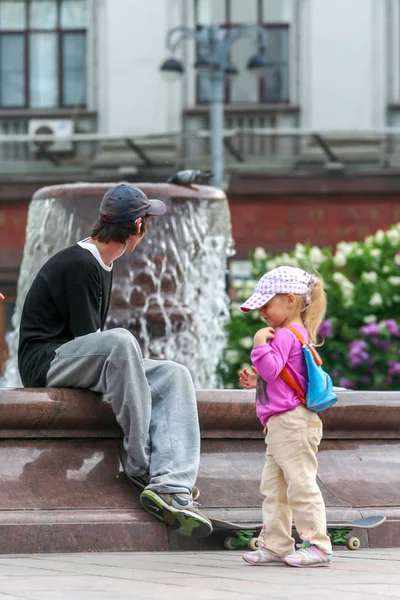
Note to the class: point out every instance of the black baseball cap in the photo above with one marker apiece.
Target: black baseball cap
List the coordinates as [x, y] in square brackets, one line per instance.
[124, 202]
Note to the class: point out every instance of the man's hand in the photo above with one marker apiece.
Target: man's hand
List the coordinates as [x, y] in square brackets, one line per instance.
[247, 379]
[263, 336]
[1, 296]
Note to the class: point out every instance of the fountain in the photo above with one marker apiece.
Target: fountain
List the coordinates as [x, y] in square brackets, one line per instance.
[61, 485]
[170, 292]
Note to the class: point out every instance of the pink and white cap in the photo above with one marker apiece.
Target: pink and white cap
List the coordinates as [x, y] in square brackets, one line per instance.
[282, 280]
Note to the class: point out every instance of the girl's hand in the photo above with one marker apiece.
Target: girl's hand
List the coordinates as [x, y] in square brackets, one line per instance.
[247, 379]
[263, 336]
[1, 296]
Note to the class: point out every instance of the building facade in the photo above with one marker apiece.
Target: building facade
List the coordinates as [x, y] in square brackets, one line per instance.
[87, 73]
[333, 64]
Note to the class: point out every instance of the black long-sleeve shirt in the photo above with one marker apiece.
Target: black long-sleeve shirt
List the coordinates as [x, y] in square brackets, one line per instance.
[68, 298]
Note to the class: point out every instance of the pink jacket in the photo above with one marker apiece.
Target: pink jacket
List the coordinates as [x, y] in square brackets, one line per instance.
[269, 360]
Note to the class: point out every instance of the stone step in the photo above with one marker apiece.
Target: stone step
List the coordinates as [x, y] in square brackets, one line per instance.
[62, 488]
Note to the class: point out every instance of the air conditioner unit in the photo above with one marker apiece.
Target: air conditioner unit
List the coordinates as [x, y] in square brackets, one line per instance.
[61, 129]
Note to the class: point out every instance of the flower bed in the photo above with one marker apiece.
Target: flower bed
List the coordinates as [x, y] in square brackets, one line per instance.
[362, 327]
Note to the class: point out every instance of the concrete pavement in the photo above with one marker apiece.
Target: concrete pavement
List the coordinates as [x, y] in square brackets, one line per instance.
[366, 573]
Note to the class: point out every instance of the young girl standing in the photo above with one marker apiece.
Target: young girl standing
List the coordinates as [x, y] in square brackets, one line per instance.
[288, 296]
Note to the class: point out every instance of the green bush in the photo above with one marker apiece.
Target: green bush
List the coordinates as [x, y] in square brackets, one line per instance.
[362, 327]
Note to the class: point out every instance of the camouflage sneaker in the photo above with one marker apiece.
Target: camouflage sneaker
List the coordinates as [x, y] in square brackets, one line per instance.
[179, 511]
[142, 482]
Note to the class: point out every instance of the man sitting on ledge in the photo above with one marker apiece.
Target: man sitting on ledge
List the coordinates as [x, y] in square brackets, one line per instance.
[62, 344]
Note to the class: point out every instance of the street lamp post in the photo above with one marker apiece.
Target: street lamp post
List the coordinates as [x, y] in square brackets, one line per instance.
[217, 64]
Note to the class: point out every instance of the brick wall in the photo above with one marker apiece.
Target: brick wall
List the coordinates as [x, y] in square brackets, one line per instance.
[12, 225]
[272, 212]
[277, 224]
[276, 213]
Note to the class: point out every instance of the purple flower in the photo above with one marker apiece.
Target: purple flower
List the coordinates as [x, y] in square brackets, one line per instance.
[371, 329]
[394, 368]
[325, 329]
[357, 345]
[357, 354]
[392, 327]
[346, 383]
[385, 345]
[335, 373]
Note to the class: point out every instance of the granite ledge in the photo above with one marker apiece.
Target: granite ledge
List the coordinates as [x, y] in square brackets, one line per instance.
[223, 413]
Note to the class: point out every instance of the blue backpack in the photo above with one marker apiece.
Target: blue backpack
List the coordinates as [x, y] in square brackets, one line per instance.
[319, 394]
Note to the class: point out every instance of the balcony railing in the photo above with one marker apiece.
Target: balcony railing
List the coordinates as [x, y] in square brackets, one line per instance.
[248, 147]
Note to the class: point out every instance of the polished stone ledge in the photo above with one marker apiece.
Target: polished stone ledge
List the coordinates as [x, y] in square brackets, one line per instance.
[223, 413]
[62, 488]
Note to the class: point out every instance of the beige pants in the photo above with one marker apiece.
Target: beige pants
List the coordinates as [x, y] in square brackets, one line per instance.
[289, 483]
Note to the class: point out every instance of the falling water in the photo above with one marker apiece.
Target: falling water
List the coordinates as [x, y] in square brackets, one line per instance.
[170, 292]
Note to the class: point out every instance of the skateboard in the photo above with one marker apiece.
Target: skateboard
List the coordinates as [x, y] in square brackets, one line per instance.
[340, 532]
[246, 534]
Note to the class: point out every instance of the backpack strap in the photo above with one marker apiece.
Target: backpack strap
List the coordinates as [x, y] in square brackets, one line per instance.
[317, 358]
[296, 333]
[286, 376]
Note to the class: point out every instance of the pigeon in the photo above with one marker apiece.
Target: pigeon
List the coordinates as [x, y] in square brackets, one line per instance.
[189, 176]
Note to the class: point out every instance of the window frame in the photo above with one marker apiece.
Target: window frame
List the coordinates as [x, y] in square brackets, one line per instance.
[59, 32]
[229, 25]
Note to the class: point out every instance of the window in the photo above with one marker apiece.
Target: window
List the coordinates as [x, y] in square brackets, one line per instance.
[42, 53]
[275, 16]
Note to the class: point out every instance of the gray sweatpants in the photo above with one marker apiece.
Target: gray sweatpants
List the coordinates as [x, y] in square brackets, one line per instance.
[154, 402]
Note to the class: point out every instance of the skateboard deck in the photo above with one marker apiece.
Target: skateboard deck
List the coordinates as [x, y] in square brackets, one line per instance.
[362, 523]
[221, 525]
[340, 532]
[245, 534]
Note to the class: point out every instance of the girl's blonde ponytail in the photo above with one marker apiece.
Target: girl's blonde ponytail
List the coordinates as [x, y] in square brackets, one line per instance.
[313, 312]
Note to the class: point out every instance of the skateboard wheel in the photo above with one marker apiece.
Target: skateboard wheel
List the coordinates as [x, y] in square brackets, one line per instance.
[253, 543]
[353, 543]
[229, 543]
